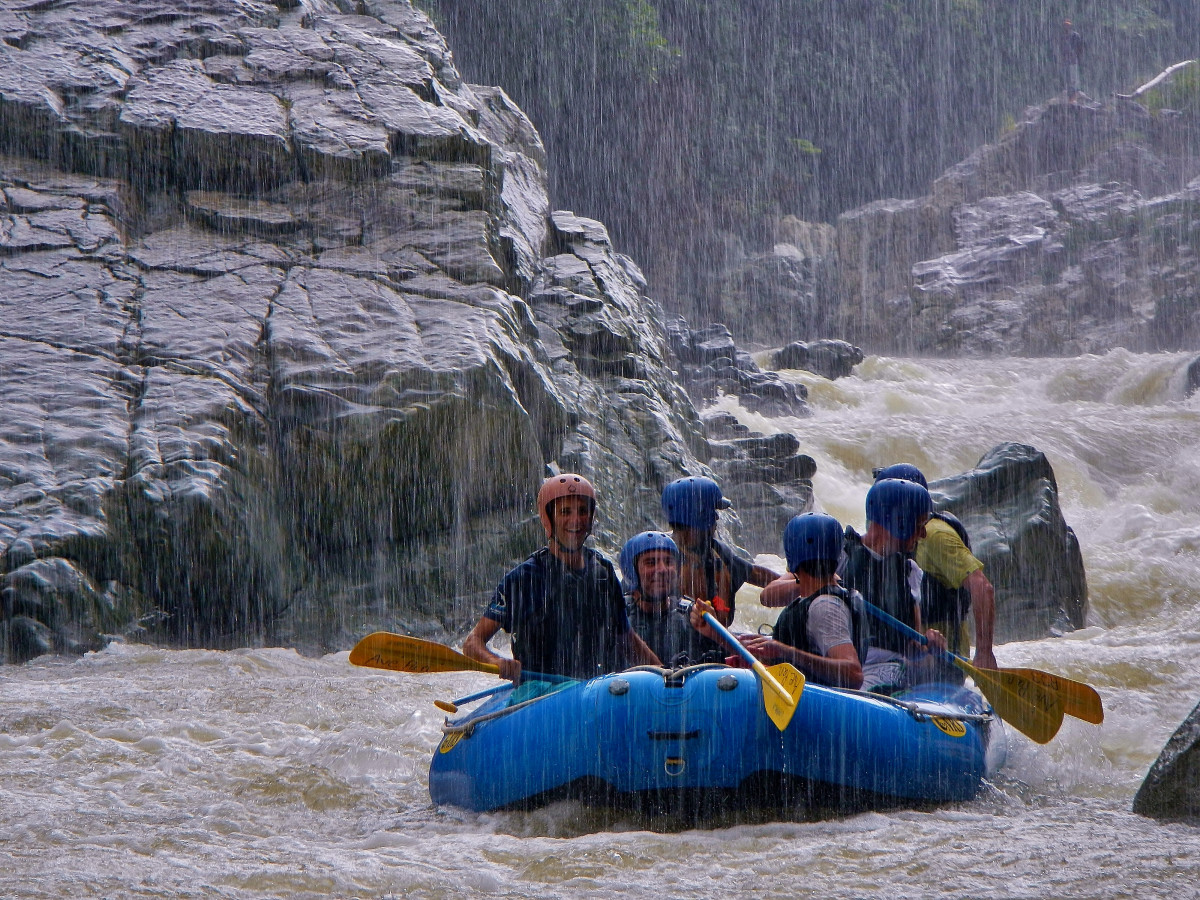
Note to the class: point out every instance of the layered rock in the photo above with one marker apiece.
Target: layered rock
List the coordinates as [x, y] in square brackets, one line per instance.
[290, 334]
[1078, 231]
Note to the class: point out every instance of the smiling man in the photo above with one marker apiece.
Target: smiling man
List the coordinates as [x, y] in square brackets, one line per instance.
[563, 605]
[650, 564]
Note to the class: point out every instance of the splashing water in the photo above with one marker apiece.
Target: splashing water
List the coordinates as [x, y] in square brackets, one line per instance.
[139, 772]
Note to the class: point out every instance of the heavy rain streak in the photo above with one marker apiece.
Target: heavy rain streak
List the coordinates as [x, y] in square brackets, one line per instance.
[139, 772]
[300, 299]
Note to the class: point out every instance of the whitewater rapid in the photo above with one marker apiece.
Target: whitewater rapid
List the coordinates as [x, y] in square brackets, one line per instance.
[259, 773]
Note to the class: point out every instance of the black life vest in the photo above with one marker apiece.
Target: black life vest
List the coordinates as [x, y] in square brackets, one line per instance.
[883, 583]
[940, 602]
[791, 627]
[567, 622]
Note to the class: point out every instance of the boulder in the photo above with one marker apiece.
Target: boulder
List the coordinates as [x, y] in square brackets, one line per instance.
[1009, 505]
[1192, 377]
[1171, 789]
[827, 358]
[710, 364]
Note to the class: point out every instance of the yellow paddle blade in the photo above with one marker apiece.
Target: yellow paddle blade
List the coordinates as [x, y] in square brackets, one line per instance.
[401, 653]
[781, 688]
[1032, 709]
[1078, 699]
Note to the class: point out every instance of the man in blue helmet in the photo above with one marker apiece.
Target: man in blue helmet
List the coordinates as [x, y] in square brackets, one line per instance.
[823, 630]
[878, 564]
[650, 566]
[953, 581]
[709, 569]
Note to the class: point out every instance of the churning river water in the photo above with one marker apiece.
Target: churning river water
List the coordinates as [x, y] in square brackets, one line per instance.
[259, 773]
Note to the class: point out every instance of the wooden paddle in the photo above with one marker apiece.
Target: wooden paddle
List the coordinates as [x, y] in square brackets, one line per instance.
[1032, 707]
[1078, 699]
[401, 653]
[778, 700]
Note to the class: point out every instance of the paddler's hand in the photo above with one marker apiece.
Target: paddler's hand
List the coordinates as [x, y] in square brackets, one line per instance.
[763, 647]
[937, 640]
[509, 669]
[696, 619]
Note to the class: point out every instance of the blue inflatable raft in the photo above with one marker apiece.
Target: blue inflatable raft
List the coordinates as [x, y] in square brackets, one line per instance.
[702, 731]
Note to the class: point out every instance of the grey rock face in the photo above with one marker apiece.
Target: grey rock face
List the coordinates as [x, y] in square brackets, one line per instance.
[289, 331]
[710, 364]
[1171, 790]
[1009, 504]
[1078, 231]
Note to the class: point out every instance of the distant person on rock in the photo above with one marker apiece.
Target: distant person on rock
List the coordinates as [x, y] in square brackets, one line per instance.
[709, 570]
[953, 580]
[1070, 55]
[650, 566]
[823, 630]
[879, 566]
[563, 605]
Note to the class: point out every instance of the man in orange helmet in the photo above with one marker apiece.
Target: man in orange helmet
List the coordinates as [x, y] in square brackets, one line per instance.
[563, 605]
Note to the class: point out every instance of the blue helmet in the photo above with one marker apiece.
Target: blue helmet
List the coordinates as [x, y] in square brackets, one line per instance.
[811, 536]
[635, 547]
[903, 471]
[693, 502]
[899, 506]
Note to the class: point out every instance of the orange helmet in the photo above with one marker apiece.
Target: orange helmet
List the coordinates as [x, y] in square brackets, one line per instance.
[565, 485]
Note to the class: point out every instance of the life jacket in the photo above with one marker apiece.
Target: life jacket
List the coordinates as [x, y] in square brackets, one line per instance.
[883, 583]
[793, 621]
[716, 577]
[566, 622]
[671, 636]
[939, 601]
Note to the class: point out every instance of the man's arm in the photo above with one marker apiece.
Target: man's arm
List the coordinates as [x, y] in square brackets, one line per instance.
[780, 592]
[983, 607]
[476, 647]
[840, 666]
[761, 576]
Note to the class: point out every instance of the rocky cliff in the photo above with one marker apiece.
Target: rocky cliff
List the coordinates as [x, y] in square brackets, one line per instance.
[289, 329]
[290, 334]
[1076, 232]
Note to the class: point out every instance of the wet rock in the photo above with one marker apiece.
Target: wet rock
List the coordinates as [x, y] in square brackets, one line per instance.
[1171, 789]
[1193, 377]
[720, 425]
[768, 479]
[291, 332]
[710, 364]
[1076, 232]
[827, 358]
[1009, 504]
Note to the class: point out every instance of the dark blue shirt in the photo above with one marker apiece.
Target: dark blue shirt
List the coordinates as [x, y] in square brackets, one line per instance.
[563, 621]
[671, 636]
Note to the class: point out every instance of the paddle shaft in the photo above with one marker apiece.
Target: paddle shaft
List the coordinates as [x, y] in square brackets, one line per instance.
[531, 676]
[1078, 699]
[1031, 708]
[905, 630]
[756, 664]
